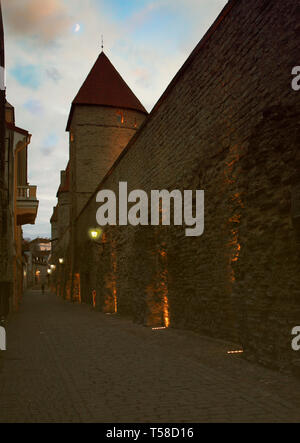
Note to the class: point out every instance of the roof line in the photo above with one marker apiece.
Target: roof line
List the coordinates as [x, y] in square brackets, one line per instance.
[83, 97]
[97, 106]
[16, 129]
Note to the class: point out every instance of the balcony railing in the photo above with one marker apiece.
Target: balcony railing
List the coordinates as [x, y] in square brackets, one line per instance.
[27, 192]
[27, 205]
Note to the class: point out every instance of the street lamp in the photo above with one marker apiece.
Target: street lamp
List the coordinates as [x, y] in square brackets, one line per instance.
[95, 233]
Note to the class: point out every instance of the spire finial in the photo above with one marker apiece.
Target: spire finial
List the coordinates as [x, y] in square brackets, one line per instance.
[102, 42]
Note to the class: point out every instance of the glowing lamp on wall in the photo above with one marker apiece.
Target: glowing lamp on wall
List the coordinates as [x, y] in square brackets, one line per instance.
[49, 271]
[95, 234]
[53, 267]
[61, 261]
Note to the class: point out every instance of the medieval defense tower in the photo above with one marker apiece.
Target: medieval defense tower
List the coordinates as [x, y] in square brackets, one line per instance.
[104, 116]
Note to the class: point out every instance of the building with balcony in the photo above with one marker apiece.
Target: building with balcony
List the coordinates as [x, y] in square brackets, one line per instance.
[18, 202]
[21, 199]
[27, 205]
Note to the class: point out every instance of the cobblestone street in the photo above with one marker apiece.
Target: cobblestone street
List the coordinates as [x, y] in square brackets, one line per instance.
[66, 363]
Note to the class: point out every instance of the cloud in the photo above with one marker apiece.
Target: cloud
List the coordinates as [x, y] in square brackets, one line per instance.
[141, 16]
[146, 40]
[54, 74]
[42, 19]
[51, 141]
[34, 106]
[27, 75]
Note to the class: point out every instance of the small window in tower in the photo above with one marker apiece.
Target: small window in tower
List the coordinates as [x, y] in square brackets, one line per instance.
[71, 137]
[135, 123]
[120, 116]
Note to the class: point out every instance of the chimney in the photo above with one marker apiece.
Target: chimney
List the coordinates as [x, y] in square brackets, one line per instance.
[63, 178]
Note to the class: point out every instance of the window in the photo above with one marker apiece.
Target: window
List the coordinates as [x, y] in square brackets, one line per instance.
[121, 116]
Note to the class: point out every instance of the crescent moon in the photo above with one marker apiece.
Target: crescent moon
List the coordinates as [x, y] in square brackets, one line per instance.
[77, 27]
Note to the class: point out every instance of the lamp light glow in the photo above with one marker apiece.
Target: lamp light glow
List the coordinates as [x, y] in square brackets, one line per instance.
[95, 233]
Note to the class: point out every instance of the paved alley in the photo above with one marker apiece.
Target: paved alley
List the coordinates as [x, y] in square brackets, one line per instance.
[67, 363]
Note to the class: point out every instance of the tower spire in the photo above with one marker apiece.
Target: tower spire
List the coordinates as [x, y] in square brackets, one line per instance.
[102, 42]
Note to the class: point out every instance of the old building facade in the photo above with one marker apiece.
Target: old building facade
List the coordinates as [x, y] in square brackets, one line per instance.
[3, 301]
[18, 205]
[228, 124]
[37, 253]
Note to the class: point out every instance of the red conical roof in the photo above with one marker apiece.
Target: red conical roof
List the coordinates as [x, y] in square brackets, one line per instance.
[104, 86]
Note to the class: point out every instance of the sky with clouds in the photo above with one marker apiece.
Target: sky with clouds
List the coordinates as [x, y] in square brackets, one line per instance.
[51, 46]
